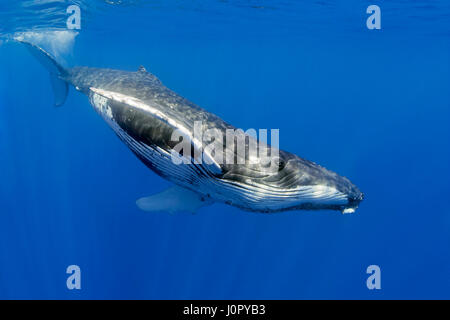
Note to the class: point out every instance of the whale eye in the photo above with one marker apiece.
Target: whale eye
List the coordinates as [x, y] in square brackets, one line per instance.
[277, 163]
[281, 164]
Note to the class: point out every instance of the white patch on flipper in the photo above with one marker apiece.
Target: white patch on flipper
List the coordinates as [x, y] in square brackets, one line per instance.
[173, 199]
[100, 104]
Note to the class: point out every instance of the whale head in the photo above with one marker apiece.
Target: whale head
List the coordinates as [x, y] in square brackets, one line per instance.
[296, 184]
[314, 187]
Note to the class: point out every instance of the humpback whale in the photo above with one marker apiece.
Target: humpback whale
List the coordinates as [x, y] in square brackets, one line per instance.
[144, 114]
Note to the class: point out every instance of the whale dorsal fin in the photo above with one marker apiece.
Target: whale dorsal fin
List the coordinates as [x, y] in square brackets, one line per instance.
[142, 69]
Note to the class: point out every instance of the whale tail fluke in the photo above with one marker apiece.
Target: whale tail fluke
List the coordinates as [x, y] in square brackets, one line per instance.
[60, 87]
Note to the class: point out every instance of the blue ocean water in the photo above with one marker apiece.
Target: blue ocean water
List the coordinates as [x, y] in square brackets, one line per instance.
[372, 105]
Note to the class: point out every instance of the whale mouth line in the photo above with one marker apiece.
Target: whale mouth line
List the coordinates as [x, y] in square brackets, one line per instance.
[273, 200]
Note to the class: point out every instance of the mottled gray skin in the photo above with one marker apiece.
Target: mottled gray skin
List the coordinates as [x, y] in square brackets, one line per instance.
[293, 171]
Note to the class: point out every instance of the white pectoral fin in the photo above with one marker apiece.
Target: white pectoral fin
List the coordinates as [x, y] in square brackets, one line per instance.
[173, 199]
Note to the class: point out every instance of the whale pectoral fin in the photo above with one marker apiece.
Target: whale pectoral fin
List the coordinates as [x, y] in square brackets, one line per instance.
[173, 199]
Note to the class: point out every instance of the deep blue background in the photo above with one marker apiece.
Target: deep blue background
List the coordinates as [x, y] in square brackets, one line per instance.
[371, 105]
